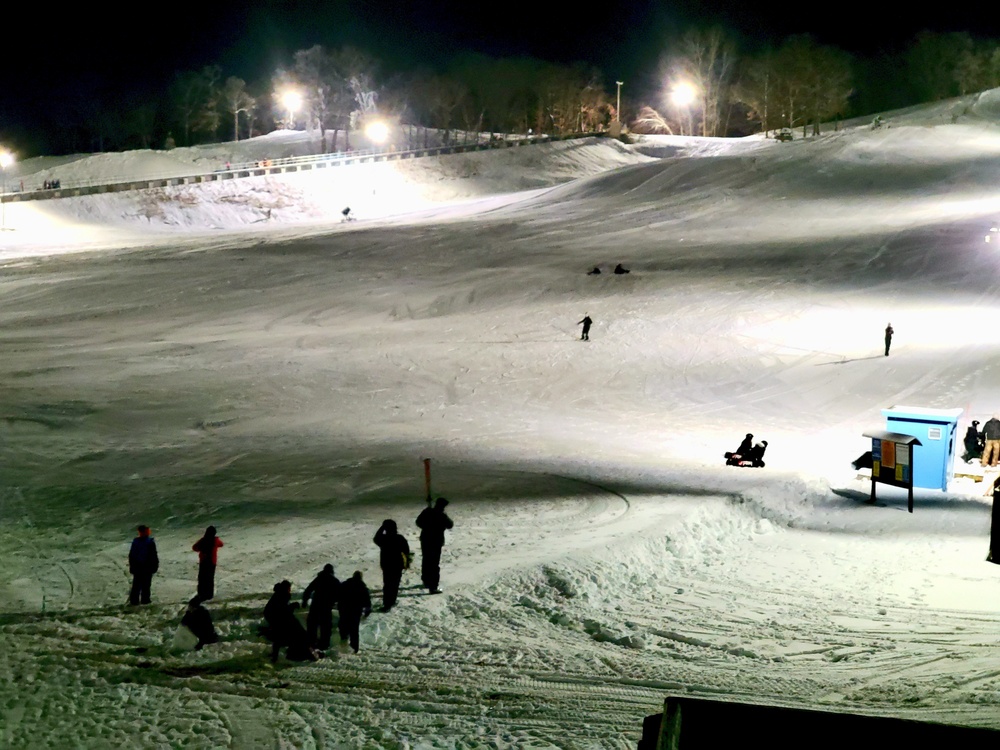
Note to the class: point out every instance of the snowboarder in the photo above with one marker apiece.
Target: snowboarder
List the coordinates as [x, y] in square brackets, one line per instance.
[208, 557]
[198, 620]
[323, 591]
[587, 322]
[888, 338]
[354, 602]
[143, 562]
[394, 558]
[594, 272]
[284, 628]
[991, 434]
[432, 522]
[973, 442]
[619, 269]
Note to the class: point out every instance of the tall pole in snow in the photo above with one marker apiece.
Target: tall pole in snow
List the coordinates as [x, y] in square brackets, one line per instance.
[618, 106]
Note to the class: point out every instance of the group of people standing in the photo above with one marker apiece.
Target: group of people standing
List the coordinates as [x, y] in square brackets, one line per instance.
[983, 444]
[351, 597]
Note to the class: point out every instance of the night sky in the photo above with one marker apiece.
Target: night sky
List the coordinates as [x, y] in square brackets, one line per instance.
[55, 57]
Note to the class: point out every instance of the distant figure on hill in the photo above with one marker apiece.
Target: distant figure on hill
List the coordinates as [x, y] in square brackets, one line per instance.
[991, 434]
[587, 322]
[346, 213]
[143, 562]
[595, 271]
[208, 557]
[619, 269]
[888, 338]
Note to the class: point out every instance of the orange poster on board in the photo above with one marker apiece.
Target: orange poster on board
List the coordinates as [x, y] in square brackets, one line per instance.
[888, 454]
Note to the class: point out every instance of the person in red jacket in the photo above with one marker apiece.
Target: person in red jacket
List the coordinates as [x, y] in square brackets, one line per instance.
[208, 557]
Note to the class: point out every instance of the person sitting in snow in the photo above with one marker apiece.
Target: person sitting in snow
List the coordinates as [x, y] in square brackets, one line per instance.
[756, 453]
[974, 442]
[619, 269]
[745, 446]
[595, 271]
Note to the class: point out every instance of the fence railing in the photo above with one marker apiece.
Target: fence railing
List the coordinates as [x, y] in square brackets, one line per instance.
[264, 167]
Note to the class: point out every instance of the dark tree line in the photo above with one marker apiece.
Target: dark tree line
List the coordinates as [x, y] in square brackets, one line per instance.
[800, 83]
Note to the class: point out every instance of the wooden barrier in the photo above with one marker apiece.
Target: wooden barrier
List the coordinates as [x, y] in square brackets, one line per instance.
[707, 724]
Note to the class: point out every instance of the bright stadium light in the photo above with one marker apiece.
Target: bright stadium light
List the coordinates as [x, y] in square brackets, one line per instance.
[683, 94]
[292, 101]
[377, 131]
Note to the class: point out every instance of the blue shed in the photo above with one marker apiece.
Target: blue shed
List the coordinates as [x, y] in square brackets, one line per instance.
[937, 430]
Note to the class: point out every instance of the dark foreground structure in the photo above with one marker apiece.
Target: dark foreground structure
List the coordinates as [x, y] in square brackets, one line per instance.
[702, 723]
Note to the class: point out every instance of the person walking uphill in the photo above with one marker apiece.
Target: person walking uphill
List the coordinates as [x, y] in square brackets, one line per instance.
[143, 562]
[888, 338]
[208, 557]
[394, 557]
[587, 323]
[991, 434]
[432, 522]
[355, 602]
[323, 591]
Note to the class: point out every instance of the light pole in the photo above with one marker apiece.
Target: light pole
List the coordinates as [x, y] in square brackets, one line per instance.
[618, 106]
[6, 159]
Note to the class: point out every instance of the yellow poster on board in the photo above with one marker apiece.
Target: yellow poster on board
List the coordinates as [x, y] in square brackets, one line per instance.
[888, 454]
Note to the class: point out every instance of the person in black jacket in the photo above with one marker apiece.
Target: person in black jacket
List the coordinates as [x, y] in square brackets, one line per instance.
[432, 522]
[973, 442]
[143, 562]
[323, 591]
[587, 323]
[284, 628]
[394, 557]
[198, 620]
[888, 338]
[745, 446]
[354, 602]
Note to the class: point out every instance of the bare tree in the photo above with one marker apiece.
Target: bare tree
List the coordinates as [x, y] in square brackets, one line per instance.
[316, 73]
[237, 100]
[195, 96]
[706, 59]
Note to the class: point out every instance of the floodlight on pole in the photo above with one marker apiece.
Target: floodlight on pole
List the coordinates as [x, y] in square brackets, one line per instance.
[6, 159]
[293, 102]
[682, 95]
[377, 131]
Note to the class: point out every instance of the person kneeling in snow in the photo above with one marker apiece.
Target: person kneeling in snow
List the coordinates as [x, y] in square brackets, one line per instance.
[198, 620]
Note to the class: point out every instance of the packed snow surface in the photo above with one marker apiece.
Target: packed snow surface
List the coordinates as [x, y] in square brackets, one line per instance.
[235, 354]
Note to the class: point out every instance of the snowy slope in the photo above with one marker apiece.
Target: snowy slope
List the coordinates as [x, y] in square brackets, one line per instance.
[183, 358]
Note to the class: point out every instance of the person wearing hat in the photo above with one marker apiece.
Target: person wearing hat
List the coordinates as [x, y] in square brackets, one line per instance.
[208, 558]
[354, 602]
[394, 557]
[432, 522]
[973, 442]
[143, 562]
[284, 628]
[323, 591]
[745, 446]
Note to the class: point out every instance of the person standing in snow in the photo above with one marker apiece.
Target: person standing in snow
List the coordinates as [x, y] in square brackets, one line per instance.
[354, 602]
[991, 433]
[994, 553]
[323, 591]
[284, 627]
[888, 338]
[432, 522]
[208, 557]
[143, 562]
[587, 322]
[973, 442]
[394, 557]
